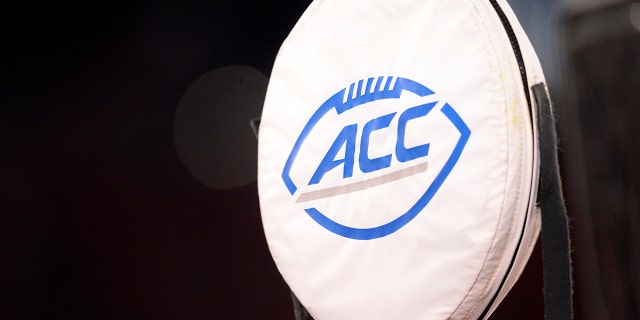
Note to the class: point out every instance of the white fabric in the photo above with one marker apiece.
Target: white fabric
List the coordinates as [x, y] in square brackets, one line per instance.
[449, 260]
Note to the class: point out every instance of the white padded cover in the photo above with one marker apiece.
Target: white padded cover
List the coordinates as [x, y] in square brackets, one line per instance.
[397, 159]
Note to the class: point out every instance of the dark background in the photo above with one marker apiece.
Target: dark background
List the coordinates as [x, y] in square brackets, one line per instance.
[99, 219]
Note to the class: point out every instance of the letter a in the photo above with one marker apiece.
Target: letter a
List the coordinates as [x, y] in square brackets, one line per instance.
[347, 136]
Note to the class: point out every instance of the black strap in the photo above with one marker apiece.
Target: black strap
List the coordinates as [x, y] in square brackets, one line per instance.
[298, 309]
[555, 231]
[556, 256]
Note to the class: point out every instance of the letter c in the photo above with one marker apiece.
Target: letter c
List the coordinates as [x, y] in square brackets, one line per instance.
[367, 164]
[404, 154]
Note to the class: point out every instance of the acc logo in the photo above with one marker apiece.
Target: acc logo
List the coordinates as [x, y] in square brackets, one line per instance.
[350, 154]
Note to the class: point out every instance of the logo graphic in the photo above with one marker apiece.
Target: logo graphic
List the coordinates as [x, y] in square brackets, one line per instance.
[373, 134]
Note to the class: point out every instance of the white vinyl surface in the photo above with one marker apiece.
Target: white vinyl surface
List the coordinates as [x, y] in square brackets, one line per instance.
[396, 159]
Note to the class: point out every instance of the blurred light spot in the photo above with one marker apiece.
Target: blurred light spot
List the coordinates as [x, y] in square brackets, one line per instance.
[634, 14]
[212, 126]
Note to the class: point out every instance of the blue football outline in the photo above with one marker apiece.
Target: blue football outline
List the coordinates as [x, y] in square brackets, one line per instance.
[336, 101]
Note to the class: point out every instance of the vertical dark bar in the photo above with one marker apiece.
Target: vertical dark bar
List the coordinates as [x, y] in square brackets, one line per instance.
[556, 259]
